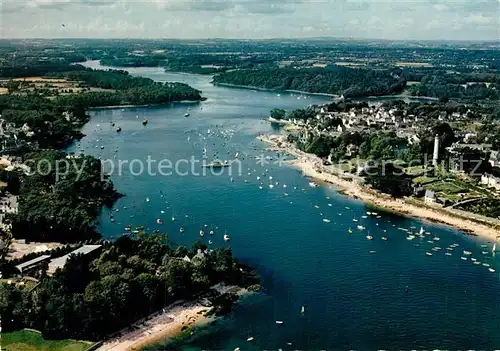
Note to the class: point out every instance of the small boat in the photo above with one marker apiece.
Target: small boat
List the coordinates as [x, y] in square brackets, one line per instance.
[422, 231]
[436, 238]
[271, 186]
[447, 253]
[118, 130]
[237, 349]
[144, 121]
[326, 220]
[279, 322]
[369, 237]
[313, 185]
[236, 155]
[202, 233]
[148, 199]
[159, 221]
[250, 339]
[428, 254]
[467, 253]
[494, 249]
[349, 231]
[384, 238]
[464, 258]
[210, 242]
[211, 232]
[410, 237]
[303, 309]
[181, 230]
[186, 114]
[226, 237]
[316, 206]
[486, 264]
[491, 270]
[173, 219]
[360, 227]
[477, 262]
[354, 220]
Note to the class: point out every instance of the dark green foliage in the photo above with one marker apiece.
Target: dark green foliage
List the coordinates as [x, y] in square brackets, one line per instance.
[91, 298]
[389, 179]
[338, 80]
[61, 200]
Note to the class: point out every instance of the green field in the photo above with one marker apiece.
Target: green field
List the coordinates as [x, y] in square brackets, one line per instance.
[30, 340]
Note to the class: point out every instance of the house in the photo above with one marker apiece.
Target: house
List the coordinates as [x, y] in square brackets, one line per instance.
[490, 181]
[26, 267]
[430, 197]
[60, 262]
[495, 159]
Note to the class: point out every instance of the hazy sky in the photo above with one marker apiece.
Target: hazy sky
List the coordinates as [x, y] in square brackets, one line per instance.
[397, 19]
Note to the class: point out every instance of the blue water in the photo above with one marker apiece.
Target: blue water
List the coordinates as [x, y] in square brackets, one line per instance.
[353, 299]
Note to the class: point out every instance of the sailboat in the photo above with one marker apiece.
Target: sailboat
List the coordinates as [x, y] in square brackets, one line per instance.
[422, 231]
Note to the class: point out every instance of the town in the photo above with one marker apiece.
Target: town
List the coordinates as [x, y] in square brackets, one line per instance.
[447, 154]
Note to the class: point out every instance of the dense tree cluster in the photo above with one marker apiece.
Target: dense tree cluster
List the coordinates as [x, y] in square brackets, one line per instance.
[61, 198]
[92, 298]
[338, 80]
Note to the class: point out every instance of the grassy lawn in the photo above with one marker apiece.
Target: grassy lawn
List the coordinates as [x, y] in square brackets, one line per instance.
[447, 187]
[424, 180]
[28, 340]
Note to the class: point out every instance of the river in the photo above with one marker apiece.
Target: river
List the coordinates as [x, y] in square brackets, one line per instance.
[353, 289]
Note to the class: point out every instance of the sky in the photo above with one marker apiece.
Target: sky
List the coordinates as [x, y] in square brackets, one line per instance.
[252, 19]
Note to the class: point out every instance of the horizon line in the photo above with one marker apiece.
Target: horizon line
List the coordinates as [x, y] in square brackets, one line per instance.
[257, 39]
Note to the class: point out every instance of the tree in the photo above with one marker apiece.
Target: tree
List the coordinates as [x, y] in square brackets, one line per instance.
[278, 113]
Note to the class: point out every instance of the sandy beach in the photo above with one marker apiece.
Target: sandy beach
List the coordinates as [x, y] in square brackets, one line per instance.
[311, 166]
[165, 325]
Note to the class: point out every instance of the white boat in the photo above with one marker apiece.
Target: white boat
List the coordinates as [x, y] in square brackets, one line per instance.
[486, 264]
[303, 309]
[173, 219]
[354, 220]
[360, 227]
[250, 339]
[326, 220]
[422, 231]
[448, 254]
[491, 270]
[384, 238]
[271, 186]
[211, 232]
[202, 233]
[436, 238]
[369, 237]
[159, 221]
[279, 322]
[494, 248]
[349, 231]
[236, 155]
[467, 252]
[226, 237]
[464, 258]
[186, 114]
[410, 237]
[181, 230]
[313, 184]
[148, 199]
[428, 254]
[210, 242]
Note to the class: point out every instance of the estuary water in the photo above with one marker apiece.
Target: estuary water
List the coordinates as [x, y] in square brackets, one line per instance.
[357, 293]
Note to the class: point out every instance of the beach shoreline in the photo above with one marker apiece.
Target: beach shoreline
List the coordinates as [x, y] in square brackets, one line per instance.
[311, 166]
[160, 327]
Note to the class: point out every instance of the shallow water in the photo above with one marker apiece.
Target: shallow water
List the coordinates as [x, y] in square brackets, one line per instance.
[353, 298]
